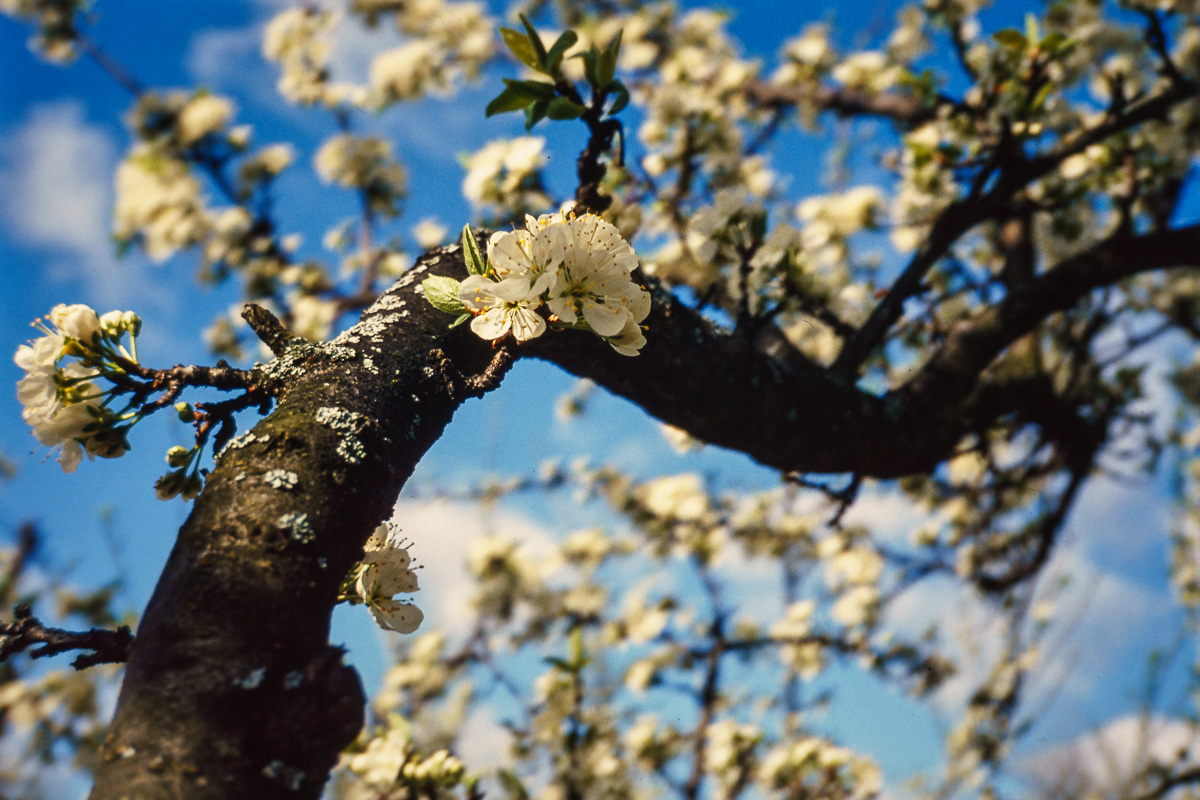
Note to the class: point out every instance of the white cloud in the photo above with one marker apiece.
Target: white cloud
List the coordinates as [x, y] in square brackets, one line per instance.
[1108, 756]
[1101, 621]
[57, 169]
[220, 57]
[58, 175]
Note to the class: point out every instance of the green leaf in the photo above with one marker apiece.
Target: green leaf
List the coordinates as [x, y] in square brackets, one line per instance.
[1039, 100]
[560, 663]
[562, 108]
[1032, 31]
[508, 100]
[622, 100]
[512, 785]
[535, 41]
[535, 112]
[591, 66]
[521, 47]
[1056, 44]
[578, 655]
[461, 319]
[534, 90]
[476, 265]
[554, 58]
[442, 294]
[607, 66]
[1011, 38]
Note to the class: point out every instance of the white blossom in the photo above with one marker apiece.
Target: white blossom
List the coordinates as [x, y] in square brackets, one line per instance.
[503, 306]
[204, 114]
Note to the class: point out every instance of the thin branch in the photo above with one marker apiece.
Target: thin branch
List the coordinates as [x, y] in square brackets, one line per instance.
[26, 632]
[906, 109]
[110, 65]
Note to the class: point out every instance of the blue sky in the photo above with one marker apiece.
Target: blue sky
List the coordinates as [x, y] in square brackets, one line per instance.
[60, 138]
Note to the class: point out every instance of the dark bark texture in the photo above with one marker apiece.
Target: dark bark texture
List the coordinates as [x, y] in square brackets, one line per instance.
[232, 690]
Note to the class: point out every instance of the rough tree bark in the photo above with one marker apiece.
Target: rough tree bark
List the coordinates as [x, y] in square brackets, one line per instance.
[232, 689]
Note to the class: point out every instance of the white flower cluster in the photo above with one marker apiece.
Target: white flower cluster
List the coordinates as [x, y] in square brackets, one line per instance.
[855, 571]
[389, 761]
[299, 40]
[807, 56]
[161, 204]
[868, 71]
[504, 178]
[696, 110]
[927, 183]
[56, 25]
[62, 402]
[449, 41]
[384, 572]
[158, 202]
[364, 163]
[820, 767]
[578, 267]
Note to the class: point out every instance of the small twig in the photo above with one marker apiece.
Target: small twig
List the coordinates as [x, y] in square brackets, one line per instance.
[268, 328]
[844, 497]
[26, 631]
[502, 361]
[115, 70]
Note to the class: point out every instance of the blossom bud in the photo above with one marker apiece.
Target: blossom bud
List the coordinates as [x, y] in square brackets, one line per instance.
[186, 414]
[112, 323]
[178, 456]
[169, 485]
[191, 487]
[132, 323]
[77, 321]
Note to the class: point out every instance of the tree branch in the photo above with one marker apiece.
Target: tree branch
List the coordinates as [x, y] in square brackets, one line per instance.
[906, 109]
[26, 632]
[971, 345]
[978, 206]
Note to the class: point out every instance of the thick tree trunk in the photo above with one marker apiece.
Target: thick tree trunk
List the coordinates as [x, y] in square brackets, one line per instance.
[232, 690]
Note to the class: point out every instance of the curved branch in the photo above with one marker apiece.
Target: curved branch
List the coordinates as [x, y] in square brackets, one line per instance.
[971, 345]
[1014, 174]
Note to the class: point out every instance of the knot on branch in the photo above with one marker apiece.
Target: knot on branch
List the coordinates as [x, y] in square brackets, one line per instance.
[268, 328]
[323, 714]
[27, 632]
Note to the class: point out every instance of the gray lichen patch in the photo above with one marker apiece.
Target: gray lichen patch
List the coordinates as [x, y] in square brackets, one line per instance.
[281, 479]
[297, 526]
[238, 442]
[252, 680]
[348, 424]
[388, 302]
[290, 365]
[291, 778]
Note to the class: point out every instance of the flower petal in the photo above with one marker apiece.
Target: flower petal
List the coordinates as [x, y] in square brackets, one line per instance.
[491, 324]
[392, 615]
[607, 319]
[526, 324]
